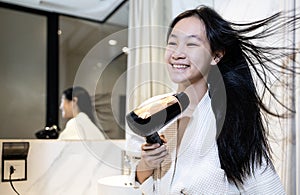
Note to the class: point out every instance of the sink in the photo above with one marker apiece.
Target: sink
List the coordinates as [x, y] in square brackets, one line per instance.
[116, 185]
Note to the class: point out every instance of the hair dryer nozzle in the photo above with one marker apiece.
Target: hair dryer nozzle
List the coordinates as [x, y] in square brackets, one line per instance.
[183, 100]
[148, 119]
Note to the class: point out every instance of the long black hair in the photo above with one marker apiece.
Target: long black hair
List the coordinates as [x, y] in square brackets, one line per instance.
[84, 100]
[242, 137]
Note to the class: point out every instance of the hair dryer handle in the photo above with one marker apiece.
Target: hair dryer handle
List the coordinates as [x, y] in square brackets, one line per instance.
[154, 138]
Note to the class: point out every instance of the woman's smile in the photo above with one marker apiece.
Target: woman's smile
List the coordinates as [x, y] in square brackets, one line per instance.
[180, 66]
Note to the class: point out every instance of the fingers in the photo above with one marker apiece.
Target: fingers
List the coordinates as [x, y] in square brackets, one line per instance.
[154, 149]
[162, 137]
[153, 155]
[148, 146]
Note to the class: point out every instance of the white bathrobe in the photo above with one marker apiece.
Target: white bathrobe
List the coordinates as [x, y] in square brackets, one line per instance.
[197, 169]
[81, 128]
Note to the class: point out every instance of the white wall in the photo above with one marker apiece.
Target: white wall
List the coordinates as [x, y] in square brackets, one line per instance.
[66, 167]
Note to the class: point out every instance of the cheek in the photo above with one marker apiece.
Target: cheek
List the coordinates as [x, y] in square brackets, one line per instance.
[63, 111]
[168, 54]
[201, 61]
[66, 111]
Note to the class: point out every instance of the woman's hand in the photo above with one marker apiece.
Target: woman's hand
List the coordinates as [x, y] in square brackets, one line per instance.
[153, 155]
[151, 158]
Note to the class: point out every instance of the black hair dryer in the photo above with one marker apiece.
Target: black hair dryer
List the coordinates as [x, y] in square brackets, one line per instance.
[147, 119]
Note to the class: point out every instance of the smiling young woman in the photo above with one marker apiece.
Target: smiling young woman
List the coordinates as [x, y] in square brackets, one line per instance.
[220, 145]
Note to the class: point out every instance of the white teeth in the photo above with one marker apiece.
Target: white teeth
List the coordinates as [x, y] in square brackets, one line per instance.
[179, 66]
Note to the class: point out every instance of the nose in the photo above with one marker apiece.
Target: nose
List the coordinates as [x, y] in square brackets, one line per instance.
[61, 106]
[178, 54]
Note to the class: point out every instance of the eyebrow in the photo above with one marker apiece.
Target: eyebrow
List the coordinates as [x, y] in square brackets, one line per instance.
[195, 36]
[188, 37]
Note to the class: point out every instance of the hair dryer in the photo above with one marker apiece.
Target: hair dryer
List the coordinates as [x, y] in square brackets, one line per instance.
[147, 119]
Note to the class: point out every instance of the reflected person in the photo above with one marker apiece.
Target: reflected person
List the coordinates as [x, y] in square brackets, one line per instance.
[76, 107]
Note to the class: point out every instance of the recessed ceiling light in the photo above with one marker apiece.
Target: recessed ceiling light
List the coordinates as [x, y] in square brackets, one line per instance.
[112, 42]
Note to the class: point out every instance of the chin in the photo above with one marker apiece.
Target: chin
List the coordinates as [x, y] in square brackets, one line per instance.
[178, 78]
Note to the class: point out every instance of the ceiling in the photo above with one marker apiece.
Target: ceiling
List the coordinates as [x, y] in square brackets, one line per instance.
[98, 20]
[112, 11]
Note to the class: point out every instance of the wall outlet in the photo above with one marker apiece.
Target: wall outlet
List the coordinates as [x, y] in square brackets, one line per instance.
[20, 170]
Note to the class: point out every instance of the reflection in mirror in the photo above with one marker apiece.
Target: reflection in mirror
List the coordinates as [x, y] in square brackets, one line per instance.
[78, 39]
[23, 69]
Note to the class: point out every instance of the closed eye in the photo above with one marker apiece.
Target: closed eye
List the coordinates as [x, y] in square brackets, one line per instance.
[192, 44]
[171, 43]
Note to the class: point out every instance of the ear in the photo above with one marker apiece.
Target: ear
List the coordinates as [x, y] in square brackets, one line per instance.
[75, 100]
[218, 55]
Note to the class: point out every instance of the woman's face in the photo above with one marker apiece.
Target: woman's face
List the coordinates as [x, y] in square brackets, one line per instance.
[66, 108]
[188, 52]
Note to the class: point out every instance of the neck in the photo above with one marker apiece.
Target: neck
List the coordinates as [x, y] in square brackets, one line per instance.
[195, 91]
[76, 111]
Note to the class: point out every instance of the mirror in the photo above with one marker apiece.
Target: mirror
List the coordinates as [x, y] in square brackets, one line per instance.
[23, 69]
